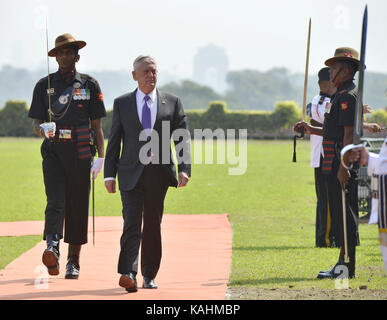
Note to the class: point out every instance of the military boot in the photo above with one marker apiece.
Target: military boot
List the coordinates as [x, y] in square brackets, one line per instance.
[72, 266]
[341, 267]
[51, 255]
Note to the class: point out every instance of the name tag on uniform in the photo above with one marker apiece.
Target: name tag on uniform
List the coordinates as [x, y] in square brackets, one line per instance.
[81, 94]
[64, 134]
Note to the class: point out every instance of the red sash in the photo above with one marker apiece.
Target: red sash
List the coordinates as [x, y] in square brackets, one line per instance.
[81, 136]
[83, 142]
[329, 155]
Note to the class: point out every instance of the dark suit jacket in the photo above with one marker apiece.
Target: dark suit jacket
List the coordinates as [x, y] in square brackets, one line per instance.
[126, 127]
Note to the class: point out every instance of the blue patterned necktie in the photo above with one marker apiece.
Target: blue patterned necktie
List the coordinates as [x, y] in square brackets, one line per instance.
[146, 120]
[146, 114]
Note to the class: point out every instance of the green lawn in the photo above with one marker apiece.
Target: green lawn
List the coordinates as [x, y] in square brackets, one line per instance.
[271, 209]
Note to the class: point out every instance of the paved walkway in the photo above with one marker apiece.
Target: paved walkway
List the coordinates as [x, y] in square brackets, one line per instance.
[195, 265]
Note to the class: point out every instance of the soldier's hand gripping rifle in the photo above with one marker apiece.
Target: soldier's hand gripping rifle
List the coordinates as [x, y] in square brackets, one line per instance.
[358, 121]
[302, 130]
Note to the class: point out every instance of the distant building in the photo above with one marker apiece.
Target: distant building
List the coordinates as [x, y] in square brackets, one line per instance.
[211, 67]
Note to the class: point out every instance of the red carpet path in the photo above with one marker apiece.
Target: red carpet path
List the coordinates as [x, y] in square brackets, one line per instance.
[195, 265]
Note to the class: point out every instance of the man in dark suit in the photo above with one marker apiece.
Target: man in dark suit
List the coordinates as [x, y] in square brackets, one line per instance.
[145, 120]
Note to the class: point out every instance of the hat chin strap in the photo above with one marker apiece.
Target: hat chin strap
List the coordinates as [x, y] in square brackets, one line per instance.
[338, 72]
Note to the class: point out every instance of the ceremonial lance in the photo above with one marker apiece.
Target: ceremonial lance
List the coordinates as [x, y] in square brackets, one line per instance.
[301, 136]
[48, 76]
[48, 124]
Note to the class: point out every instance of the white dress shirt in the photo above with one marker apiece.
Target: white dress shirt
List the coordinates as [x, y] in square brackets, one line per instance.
[152, 104]
[377, 165]
[317, 114]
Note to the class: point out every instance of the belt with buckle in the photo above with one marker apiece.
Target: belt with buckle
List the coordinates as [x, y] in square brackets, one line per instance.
[64, 135]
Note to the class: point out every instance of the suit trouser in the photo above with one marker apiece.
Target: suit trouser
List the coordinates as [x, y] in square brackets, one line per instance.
[145, 202]
[324, 237]
[67, 185]
[336, 208]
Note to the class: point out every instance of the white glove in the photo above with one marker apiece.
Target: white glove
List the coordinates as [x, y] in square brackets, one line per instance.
[97, 167]
[49, 129]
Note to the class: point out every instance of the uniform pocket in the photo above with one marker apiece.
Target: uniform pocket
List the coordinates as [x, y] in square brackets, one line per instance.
[44, 148]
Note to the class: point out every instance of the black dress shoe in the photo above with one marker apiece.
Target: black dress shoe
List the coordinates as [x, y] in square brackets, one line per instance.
[50, 259]
[51, 255]
[343, 269]
[72, 267]
[129, 282]
[149, 283]
[347, 270]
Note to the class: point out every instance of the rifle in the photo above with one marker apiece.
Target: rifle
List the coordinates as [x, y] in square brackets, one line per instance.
[358, 121]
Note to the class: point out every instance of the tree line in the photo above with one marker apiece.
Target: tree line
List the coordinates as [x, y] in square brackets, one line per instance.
[246, 89]
[14, 120]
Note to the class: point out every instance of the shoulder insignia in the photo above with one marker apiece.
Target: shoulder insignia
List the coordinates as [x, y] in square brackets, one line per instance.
[344, 106]
[100, 96]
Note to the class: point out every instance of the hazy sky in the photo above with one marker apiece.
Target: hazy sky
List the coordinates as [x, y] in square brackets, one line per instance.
[255, 34]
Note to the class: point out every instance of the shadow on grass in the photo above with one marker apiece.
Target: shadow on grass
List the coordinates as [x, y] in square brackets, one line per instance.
[264, 248]
[371, 239]
[373, 254]
[268, 281]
